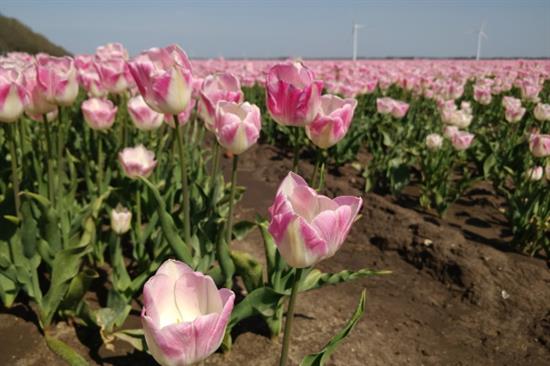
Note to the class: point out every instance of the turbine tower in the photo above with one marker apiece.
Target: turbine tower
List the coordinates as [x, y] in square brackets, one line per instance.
[354, 32]
[481, 34]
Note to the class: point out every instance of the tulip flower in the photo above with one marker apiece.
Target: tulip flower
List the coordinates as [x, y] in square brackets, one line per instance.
[214, 89]
[434, 141]
[399, 109]
[143, 117]
[184, 315]
[547, 172]
[293, 94]
[137, 161]
[482, 94]
[384, 105]
[449, 131]
[115, 75]
[99, 113]
[121, 218]
[462, 140]
[306, 226]
[535, 174]
[163, 77]
[542, 112]
[111, 51]
[333, 121]
[539, 145]
[237, 126]
[513, 111]
[13, 96]
[92, 82]
[36, 105]
[57, 79]
[461, 118]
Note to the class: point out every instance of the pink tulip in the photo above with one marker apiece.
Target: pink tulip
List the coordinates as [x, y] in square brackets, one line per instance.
[37, 104]
[384, 105]
[111, 51]
[306, 226]
[99, 113]
[163, 77]
[143, 117]
[293, 94]
[184, 315]
[137, 161]
[462, 140]
[237, 126]
[482, 94]
[535, 174]
[333, 121]
[434, 141]
[91, 81]
[216, 88]
[57, 80]
[115, 75]
[399, 109]
[539, 145]
[547, 172]
[13, 96]
[542, 112]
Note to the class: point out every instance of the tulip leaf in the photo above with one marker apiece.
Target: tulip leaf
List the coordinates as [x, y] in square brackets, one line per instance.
[242, 228]
[248, 268]
[316, 279]
[319, 359]
[169, 229]
[66, 352]
[262, 301]
[8, 290]
[134, 337]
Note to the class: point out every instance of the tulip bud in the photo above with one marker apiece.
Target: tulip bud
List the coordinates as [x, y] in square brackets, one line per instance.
[333, 121]
[237, 126]
[293, 94]
[37, 104]
[144, 118]
[214, 89]
[539, 145]
[184, 315]
[462, 140]
[308, 227]
[99, 113]
[115, 74]
[163, 77]
[547, 172]
[137, 161]
[434, 141]
[482, 94]
[57, 80]
[449, 131]
[13, 96]
[542, 112]
[121, 218]
[384, 105]
[399, 109]
[535, 174]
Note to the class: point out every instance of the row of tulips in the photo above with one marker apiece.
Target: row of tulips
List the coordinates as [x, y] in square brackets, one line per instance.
[104, 139]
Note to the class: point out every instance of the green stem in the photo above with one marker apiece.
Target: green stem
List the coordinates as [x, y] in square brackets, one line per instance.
[184, 182]
[99, 163]
[51, 192]
[14, 177]
[22, 137]
[138, 214]
[60, 144]
[316, 168]
[290, 317]
[216, 160]
[322, 172]
[296, 150]
[229, 227]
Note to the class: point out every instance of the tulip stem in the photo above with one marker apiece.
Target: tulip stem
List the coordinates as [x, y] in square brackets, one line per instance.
[216, 160]
[22, 137]
[296, 150]
[290, 317]
[51, 191]
[60, 144]
[184, 183]
[229, 229]
[99, 163]
[316, 168]
[14, 177]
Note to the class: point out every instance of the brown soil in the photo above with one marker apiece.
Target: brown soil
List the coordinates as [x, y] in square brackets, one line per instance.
[457, 295]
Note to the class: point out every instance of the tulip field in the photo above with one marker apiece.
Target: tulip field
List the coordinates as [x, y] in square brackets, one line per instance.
[162, 210]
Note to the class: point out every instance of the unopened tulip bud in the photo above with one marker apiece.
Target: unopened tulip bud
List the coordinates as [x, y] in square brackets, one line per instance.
[99, 113]
[462, 140]
[535, 174]
[539, 145]
[237, 126]
[137, 161]
[542, 112]
[434, 141]
[121, 219]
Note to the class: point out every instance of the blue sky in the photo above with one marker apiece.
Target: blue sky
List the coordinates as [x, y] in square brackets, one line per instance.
[294, 28]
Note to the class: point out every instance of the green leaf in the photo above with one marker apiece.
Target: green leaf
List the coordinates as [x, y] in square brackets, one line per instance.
[262, 301]
[28, 230]
[66, 352]
[242, 228]
[134, 337]
[248, 268]
[316, 279]
[319, 359]
[169, 229]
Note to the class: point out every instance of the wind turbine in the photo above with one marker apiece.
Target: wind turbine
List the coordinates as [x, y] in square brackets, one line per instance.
[354, 32]
[481, 34]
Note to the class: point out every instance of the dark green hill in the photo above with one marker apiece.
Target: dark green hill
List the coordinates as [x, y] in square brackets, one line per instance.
[16, 36]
